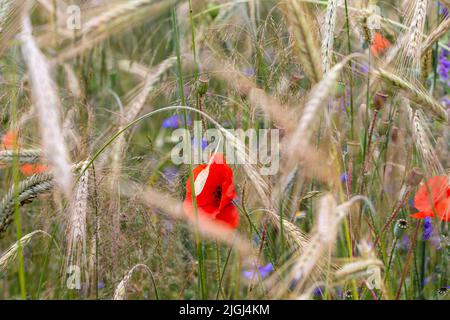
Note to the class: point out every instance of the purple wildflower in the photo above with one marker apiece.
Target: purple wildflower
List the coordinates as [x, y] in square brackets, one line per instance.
[318, 292]
[344, 177]
[175, 122]
[364, 69]
[101, 285]
[443, 10]
[444, 66]
[249, 72]
[445, 100]
[263, 271]
[170, 173]
[195, 143]
[404, 244]
[427, 229]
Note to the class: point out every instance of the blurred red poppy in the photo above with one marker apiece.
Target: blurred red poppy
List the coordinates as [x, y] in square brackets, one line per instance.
[379, 44]
[433, 196]
[28, 169]
[8, 140]
[214, 189]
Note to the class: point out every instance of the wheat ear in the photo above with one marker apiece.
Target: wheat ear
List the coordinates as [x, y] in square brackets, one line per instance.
[328, 35]
[419, 96]
[76, 248]
[11, 253]
[48, 105]
[121, 290]
[306, 45]
[26, 192]
[22, 156]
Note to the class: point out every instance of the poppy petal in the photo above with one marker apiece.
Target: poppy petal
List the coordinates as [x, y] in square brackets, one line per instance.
[437, 186]
[443, 209]
[30, 169]
[229, 215]
[422, 215]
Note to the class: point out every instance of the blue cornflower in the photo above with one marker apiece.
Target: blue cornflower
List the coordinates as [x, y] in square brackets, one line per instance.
[262, 270]
[170, 173]
[195, 143]
[444, 66]
[404, 243]
[446, 101]
[174, 122]
[249, 72]
[318, 292]
[427, 229]
[443, 10]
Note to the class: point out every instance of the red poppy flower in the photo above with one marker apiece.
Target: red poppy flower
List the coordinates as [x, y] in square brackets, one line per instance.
[438, 200]
[8, 140]
[28, 169]
[379, 44]
[214, 189]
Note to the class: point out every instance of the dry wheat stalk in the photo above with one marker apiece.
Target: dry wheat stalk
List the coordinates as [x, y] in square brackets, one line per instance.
[76, 233]
[154, 75]
[100, 28]
[434, 36]
[22, 156]
[328, 35]
[26, 192]
[117, 12]
[406, 55]
[121, 290]
[423, 100]
[48, 105]
[317, 99]
[320, 243]
[10, 11]
[424, 147]
[11, 253]
[308, 52]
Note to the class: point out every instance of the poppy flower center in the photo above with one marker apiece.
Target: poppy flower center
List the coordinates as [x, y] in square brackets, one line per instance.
[217, 194]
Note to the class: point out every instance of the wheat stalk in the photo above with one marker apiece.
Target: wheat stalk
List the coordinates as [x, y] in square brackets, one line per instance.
[10, 11]
[113, 22]
[76, 239]
[318, 98]
[328, 35]
[424, 146]
[26, 192]
[434, 36]
[11, 253]
[22, 156]
[46, 100]
[410, 46]
[422, 98]
[106, 19]
[121, 290]
[308, 51]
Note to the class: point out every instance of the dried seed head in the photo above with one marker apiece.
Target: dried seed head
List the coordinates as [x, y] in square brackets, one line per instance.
[379, 100]
[202, 85]
[395, 134]
[348, 295]
[415, 177]
[400, 228]
[442, 291]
